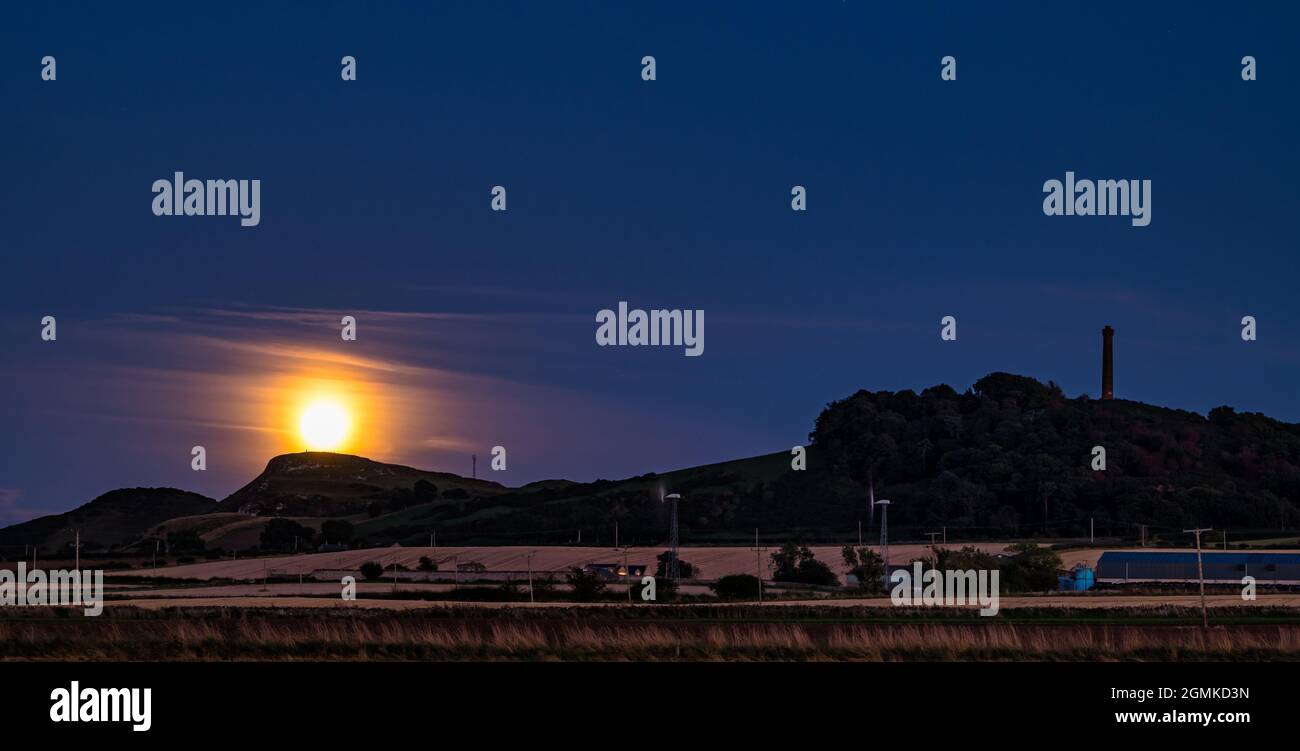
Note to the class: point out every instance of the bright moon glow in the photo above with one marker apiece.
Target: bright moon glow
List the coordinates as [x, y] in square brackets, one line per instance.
[324, 426]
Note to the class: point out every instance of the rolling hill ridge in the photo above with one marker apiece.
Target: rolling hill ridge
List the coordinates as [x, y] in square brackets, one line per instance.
[1009, 458]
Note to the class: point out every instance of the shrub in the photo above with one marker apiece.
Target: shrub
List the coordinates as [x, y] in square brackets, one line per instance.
[281, 534]
[867, 566]
[372, 570]
[425, 491]
[1033, 569]
[684, 570]
[796, 563]
[736, 587]
[337, 531]
[586, 585]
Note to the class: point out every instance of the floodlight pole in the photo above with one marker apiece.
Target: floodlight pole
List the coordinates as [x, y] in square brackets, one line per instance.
[884, 536]
[1200, 572]
[673, 570]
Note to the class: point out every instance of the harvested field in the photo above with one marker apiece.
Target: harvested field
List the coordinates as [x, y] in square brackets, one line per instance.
[1089, 603]
[712, 562]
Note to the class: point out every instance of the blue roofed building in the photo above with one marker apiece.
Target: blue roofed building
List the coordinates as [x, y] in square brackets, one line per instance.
[1128, 566]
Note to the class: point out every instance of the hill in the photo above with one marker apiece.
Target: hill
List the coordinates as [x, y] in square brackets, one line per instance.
[114, 519]
[318, 483]
[1012, 457]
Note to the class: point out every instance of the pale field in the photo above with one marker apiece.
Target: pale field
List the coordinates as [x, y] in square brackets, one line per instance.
[1073, 601]
[711, 562]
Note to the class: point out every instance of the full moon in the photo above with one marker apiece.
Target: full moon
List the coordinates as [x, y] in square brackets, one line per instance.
[324, 426]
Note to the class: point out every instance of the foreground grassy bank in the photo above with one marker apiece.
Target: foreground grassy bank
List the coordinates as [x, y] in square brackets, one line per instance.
[641, 634]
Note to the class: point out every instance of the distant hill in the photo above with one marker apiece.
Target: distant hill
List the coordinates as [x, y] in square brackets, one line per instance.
[114, 519]
[318, 483]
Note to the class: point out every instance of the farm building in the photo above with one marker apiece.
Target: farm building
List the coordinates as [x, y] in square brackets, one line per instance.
[1121, 567]
[614, 571]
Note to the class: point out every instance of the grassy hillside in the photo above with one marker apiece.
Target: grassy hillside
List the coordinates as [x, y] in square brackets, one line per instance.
[113, 520]
[555, 513]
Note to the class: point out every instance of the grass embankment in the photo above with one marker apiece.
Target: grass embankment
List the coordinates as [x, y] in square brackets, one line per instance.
[648, 634]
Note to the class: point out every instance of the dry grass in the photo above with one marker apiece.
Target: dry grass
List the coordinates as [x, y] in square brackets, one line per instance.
[385, 637]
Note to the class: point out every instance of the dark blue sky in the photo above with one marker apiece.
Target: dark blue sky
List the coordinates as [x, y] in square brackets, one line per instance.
[477, 328]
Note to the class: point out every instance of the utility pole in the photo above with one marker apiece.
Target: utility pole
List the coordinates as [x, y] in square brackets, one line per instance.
[758, 562]
[531, 600]
[626, 571]
[474, 471]
[884, 537]
[1092, 531]
[945, 534]
[1200, 572]
[673, 568]
[1225, 539]
[616, 542]
[859, 533]
[932, 535]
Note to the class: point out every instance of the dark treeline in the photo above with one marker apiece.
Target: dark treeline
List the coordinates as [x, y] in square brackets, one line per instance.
[1014, 454]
